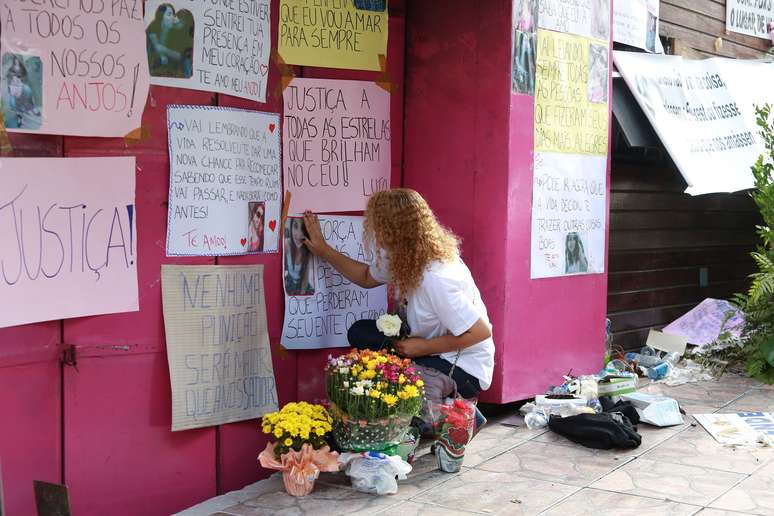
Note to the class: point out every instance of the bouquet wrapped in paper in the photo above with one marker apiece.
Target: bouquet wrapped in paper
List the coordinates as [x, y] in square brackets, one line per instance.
[300, 451]
[455, 430]
[373, 396]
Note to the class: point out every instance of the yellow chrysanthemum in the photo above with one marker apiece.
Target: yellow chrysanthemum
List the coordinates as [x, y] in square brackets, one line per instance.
[420, 383]
[288, 442]
[277, 433]
[267, 429]
[374, 393]
[390, 399]
[319, 431]
[401, 379]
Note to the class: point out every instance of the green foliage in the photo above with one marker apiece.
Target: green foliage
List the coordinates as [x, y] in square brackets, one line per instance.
[758, 303]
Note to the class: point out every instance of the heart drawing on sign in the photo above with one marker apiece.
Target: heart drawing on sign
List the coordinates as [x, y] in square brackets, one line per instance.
[243, 242]
[272, 224]
[264, 69]
[272, 127]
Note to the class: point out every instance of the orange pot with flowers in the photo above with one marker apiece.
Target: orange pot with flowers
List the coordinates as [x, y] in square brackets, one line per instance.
[300, 451]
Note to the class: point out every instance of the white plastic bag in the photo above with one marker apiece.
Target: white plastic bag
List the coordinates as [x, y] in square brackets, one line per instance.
[375, 472]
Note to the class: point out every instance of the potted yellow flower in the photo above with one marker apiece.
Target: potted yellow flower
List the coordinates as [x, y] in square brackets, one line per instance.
[300, 450]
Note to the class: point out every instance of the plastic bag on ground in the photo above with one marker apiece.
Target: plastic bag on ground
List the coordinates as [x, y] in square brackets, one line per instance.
[374, 472]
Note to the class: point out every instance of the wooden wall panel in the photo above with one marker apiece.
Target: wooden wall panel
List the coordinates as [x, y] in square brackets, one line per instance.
[662, 242]
[698, 23]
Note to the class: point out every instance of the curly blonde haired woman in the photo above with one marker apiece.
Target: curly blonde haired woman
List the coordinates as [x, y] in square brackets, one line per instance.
[420, 260]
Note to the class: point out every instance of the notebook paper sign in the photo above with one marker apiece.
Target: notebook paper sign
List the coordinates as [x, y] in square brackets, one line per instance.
[68, 238]
[217, 344]
[222, 47]
[73, 68]
[336, 143]
[349, 34]
[224, 187]
[320, 304]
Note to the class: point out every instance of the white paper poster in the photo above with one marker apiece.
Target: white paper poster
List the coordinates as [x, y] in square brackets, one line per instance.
[218, 46]
[635, 23]
[751, 17]
[218, 350]
[320, 303]
[740, 429]
[587, 18]
[704, 113]
[225, 194]
[68, 238]
[568, 215]
[336, 143]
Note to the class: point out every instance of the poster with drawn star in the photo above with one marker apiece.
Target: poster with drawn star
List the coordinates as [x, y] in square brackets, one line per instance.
[225, 193]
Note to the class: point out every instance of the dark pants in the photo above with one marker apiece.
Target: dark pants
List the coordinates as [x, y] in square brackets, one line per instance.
[364, 334]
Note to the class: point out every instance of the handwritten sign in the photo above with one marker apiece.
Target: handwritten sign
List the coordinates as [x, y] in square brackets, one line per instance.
[568, 215]
[217, 344]
[635, 23]
[750, 17]
[67, 238]
[703, 112]
[73, 67]
[348, 34]
[320, 303]
[571, 95]
[336, 143]
[588, 18]
[224, 187]
[221, 46]
[704, 323]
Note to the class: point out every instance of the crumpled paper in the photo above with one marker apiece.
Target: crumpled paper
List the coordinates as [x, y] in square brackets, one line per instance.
[300, 469]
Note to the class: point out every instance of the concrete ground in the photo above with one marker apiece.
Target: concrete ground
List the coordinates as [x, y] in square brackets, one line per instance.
[679, 470]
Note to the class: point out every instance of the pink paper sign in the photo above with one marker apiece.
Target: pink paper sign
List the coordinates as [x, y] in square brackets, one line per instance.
[67, 238]
[73, 67]
[336, 143]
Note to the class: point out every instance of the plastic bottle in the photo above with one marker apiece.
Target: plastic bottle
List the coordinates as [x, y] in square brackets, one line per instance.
[659, 371]
[673, 358]
[644, 360]
[648, 351]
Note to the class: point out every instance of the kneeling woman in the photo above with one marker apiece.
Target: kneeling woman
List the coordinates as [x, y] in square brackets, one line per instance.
[420, 260]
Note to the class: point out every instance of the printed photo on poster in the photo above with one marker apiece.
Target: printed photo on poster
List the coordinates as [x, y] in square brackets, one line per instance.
[22, 91]
[222, 47]
[574, 255]
[377, 6]
[652, 32]
[600, 19]
[524, 44]
[298, 268]
[256, 220]
[171, 43]
[598, 69]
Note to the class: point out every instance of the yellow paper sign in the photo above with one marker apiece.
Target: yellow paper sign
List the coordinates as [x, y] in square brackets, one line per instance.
[571, 94]
[333, 33]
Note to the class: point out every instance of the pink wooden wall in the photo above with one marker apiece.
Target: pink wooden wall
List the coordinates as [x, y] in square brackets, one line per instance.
[103, 428]
[468, 150]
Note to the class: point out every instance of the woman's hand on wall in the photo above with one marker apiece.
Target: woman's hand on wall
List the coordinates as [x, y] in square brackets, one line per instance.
[314, 241]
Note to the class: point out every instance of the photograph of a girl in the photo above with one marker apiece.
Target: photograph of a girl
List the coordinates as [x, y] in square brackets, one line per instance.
[600, 19]
[524, 39]
[575, 256]
[22, 84]
[170, 43]
[597, 82]
[298, 261]
[256, 215]
[420, 261]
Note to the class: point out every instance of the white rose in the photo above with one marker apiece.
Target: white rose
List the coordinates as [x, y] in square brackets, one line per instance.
[389, 325]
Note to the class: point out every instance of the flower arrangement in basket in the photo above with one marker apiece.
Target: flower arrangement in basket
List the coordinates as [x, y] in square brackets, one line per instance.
[373, 395]
[300, 451]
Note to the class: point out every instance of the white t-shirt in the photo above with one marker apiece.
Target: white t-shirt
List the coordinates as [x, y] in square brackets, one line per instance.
[448, 302]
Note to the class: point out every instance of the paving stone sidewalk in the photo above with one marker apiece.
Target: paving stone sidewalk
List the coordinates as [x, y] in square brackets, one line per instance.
[679, 470]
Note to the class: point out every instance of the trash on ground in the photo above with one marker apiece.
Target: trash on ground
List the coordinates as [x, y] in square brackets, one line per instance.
[666, 342]
[655, 410]
[374, 472]
[703, 324]
[740, 428]
[616, 385]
